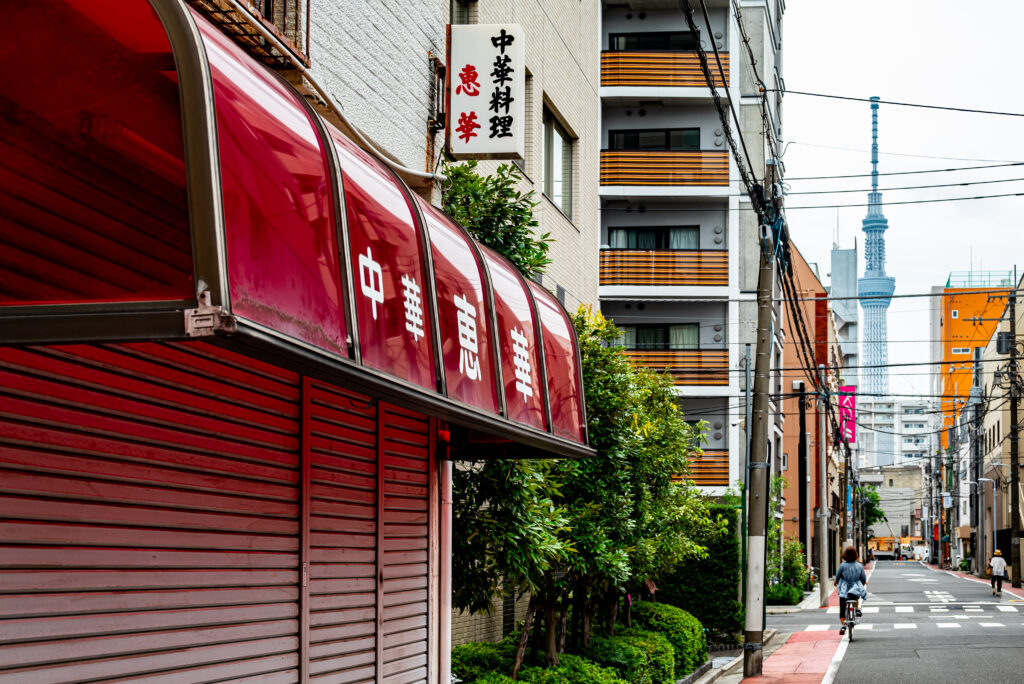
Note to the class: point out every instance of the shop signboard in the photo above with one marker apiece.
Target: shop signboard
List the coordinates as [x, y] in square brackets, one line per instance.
[486, 91]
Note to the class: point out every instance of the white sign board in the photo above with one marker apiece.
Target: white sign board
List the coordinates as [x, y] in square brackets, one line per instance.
[486, 91]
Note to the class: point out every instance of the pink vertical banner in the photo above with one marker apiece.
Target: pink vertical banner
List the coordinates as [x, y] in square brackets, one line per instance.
[848, 412]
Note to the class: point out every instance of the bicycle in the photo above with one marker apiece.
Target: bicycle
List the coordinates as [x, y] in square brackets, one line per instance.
[851, 616]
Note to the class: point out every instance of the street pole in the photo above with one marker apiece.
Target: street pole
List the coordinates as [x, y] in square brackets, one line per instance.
[822, 492]
[746, 473]
[758, 484]
[1014, 449]
[803, 477]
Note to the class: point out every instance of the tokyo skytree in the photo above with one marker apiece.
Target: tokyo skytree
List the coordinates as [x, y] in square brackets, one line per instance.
[875, 284]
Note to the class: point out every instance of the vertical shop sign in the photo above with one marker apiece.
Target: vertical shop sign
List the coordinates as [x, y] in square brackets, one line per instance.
[848, 412]
[486, 91]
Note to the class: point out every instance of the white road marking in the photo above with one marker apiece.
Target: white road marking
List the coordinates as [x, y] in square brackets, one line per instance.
[869, 625]
[1007, 609]
[819, 628]
[973, 610]
[991, 624]
[905, 625]
[867, 609]
[904, 609]
[834, 610]
[947, 624]
[837, 659]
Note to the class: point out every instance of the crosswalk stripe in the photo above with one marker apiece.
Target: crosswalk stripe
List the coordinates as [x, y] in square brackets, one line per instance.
[905, 625]
[904, 609]
[834, 610]
[869, 625]
[947, 624]
[1007, 609]
[819, 628]
[991, 624]
[868, 609]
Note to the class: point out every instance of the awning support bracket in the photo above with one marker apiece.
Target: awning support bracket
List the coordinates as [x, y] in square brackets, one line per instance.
[205, 320]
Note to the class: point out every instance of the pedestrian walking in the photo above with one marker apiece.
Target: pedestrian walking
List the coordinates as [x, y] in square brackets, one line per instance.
[998, 567]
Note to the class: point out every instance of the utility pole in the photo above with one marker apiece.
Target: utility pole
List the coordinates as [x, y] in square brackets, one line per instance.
[803, 476]
[757, 519]
[1014, 447]
[746, 473]
[822, 491]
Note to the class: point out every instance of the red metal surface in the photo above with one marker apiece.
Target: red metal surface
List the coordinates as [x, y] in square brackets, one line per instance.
[462, 312]
[282, 246]
[92, 174]
[394, 326]
[562, 355]
[523, 382]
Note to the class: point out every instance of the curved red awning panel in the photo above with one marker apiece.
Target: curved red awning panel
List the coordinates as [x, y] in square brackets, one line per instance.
[563, 365]
[520, 353]
[282, 247]
[462, 308]
[92, 163]
[392, 309]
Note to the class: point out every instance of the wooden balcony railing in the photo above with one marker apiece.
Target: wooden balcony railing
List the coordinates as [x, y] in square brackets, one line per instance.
[667, 167]
[710, 469]
[701, 367]
[672, 69]
[664, 267]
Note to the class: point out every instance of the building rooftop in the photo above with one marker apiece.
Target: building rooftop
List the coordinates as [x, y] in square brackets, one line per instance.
[980, 279]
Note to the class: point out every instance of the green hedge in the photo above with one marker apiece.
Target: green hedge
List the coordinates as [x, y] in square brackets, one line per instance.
[708, 588]
[639, 656]
[682, 630]
[471, 662]
[572, 670]
[783, 595]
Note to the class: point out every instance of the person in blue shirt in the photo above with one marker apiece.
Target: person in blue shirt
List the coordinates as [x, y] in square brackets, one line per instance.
[851, 583]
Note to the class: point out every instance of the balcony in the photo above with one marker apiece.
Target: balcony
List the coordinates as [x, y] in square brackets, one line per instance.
[659, 69]
[667, 168]
[711, 469]
[697, 367]
[664, 267]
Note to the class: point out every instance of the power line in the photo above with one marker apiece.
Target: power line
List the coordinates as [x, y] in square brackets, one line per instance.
[964, 110]
[905, 173]
[927, 201]
[908, 187]
[903, 154]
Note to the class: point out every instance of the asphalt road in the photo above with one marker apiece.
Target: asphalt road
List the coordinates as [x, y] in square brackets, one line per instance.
[923, 625]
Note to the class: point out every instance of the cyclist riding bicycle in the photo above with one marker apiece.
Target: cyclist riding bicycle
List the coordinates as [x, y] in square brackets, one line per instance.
[851, 584]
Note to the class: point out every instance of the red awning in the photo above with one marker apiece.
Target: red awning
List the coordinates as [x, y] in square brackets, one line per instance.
[150, 159]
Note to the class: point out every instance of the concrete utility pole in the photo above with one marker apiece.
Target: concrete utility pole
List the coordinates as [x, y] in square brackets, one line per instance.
[822, 491]
[757, 518]
[803, 474]
[1014, 447]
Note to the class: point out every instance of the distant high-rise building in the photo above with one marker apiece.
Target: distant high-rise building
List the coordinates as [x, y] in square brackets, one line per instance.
[842, 291]
[875, 285]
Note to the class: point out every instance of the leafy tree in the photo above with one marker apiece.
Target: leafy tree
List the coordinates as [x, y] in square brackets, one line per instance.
[872, 506]
[497, 214]
[773, 562]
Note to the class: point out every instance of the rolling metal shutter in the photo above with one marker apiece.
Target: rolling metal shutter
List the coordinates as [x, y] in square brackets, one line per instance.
[180, 513]
[149, 496]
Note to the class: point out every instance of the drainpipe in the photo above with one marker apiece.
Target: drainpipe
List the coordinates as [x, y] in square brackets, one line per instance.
[445, 588]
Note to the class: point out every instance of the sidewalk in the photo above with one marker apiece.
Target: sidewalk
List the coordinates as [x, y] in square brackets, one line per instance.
[803, 659]
[1017, 594]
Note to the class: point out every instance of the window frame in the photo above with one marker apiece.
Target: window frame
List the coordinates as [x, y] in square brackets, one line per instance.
[612, 132]
[695, 37]
[551, 127]
[663, 231]
[667, 327]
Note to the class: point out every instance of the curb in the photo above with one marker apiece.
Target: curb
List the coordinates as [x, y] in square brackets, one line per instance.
[696, 674]
[729, 667]
[810, 602]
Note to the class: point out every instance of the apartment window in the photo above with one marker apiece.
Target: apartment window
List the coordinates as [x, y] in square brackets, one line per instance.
[460, 12]
[890, 482]
[557, 164]
[678, 337]
[655, 139]
[654, 41]
[961, 350]
[655, 237]
[954, 314]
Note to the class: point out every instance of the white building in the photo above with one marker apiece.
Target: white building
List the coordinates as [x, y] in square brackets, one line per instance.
[895, 431]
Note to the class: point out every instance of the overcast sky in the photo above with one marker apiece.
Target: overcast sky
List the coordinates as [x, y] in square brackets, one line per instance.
[956, 54]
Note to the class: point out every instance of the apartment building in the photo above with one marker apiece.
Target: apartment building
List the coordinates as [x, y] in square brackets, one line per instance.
[896, 431]
[678, 239]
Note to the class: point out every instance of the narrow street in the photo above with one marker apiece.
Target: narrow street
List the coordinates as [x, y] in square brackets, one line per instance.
[921, 624]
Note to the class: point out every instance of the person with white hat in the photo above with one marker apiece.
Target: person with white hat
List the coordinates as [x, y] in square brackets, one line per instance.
[998, 567]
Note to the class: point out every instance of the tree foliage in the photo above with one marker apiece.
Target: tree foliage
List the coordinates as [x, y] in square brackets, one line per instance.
[497, 214]
[871, 502]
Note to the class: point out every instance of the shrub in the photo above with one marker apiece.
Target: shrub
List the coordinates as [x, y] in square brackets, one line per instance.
[783, 595]
[707, 588]
[682, 630]
[794, 564]
[470, 662]
[494, 678]
[638, 656]
[572, 670]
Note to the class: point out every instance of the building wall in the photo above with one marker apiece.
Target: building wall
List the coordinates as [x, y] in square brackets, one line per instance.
[625, 20]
